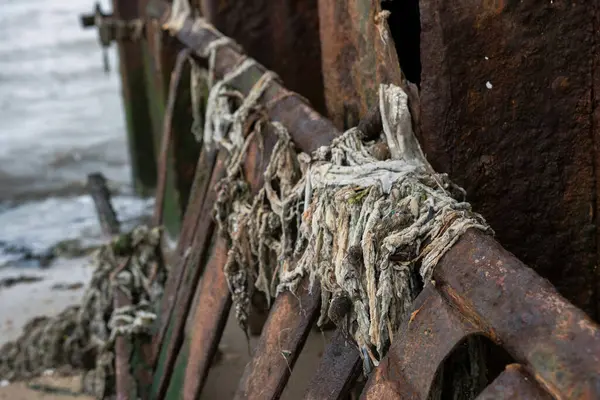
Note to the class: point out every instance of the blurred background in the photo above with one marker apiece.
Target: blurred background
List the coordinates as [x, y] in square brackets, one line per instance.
[61, 118]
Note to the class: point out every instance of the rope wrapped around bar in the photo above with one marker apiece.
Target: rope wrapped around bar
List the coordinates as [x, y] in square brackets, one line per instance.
[82, 337]
[366, 220]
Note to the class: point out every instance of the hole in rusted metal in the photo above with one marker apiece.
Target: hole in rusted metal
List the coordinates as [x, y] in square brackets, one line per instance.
[469, 368]
[405, 26]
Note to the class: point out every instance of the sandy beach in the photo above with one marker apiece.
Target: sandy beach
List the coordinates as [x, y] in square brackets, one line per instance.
[62, 285]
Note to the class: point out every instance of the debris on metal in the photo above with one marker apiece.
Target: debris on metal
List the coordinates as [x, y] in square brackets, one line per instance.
[397, 324]
[453, 308]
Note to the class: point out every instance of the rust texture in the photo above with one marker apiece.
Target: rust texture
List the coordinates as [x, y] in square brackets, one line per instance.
[167, 136]
[204, 167]
[508, 111]
[309, 131]
[358, 55]
[194, 267]
[514, 383]
[595, 129]
[192, 216]
[281, 35]
[480, 288]
[420, 347]
[285, 107]
[540, 329]
[489, 290]
[190, 275]
[284, 334]
[208, 322]
[308, 128]
[167, 346]
[337, 371]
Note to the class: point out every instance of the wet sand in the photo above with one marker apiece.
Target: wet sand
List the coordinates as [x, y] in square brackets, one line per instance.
[22, 390]
[22, 302]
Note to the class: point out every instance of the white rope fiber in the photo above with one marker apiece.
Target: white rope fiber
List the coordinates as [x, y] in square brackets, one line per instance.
[368, 231]
[180, 11]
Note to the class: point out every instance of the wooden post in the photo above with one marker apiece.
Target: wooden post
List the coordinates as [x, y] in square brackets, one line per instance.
[125, 385]
[135, 102]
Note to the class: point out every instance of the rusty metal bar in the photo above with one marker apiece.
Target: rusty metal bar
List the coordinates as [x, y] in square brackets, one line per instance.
[514, 383]
[285, 107]
[167, 135]
[308, 129]
[208, 323]
[487, 289]
[284, 334]
[166, 347]
[297, 122]
[512, 305]
[420, 347]
[338, 369]
[191, 221]
[557, 342]
[185, 295]
[204, 168]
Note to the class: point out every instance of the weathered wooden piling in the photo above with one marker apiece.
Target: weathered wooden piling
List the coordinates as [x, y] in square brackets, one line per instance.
[138, 114]
[125, 385]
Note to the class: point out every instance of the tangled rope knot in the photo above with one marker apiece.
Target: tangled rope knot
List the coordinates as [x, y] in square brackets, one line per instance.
[82, 337]
[367, 220]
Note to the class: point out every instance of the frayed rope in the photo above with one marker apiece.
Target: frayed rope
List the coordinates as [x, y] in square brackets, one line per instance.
[368, 230]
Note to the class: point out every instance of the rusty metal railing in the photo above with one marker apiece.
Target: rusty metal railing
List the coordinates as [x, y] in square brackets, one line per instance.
[479, 288]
